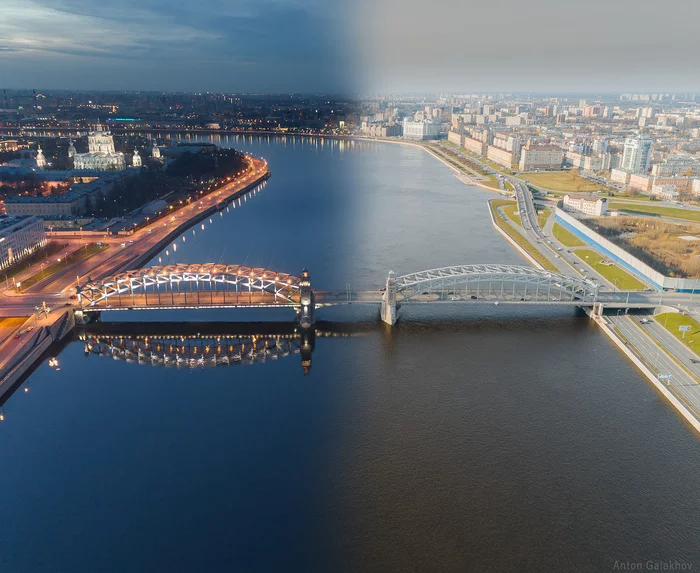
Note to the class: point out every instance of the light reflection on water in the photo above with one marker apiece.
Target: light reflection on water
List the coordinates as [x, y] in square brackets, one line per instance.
[465, 438]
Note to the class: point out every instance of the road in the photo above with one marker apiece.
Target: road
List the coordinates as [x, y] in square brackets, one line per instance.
[124, 251]
[682, 383]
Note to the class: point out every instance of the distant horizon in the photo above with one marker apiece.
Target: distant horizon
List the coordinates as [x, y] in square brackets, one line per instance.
[385, 94]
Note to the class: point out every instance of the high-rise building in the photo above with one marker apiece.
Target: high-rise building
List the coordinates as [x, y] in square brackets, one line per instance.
[636, 154]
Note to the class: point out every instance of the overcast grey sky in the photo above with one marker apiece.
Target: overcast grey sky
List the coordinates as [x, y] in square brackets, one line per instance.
[351, 46]
[540, 45]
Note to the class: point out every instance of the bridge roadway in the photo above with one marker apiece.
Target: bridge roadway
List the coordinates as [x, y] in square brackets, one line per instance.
[157, 300]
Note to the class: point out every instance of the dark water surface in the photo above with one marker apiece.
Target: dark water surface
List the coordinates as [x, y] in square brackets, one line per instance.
[463, 439]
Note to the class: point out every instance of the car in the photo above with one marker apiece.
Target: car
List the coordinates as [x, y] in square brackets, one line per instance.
[67, 304]
[30, 329]
[132, 240]
[73, 297]
[123, 245]
[695, 361]
[17, 335]
[473, 297]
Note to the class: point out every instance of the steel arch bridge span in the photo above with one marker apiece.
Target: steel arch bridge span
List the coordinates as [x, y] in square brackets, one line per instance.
[176, 280]
[196, 353]
[537, 281]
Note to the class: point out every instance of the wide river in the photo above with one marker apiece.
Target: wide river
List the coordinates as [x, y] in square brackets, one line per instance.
[463, 439]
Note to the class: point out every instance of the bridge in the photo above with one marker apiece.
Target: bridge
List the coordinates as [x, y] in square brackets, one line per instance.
[204, 345]
[231, 286]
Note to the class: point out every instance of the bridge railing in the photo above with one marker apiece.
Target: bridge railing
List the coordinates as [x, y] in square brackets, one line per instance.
[184, 285]
[497, 282]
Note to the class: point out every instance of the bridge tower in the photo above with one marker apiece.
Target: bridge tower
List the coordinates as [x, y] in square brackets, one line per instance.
[307, 312]
[308, 343]
[389, 307]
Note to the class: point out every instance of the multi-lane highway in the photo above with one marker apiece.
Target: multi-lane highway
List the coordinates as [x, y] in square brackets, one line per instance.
[681, 381]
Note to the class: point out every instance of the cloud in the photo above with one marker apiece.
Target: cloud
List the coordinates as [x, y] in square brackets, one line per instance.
[241, 45]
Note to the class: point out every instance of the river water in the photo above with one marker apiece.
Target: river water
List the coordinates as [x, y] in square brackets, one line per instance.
[463, 439]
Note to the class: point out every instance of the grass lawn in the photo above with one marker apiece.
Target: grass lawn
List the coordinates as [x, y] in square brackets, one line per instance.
[625, 198]
[673, 320]
[517, 237]
[685, 214]
[79, 255]
[542, 217]
[622, 279]
[513, 214]
[563, 181]
[461, 163]
[565, 237]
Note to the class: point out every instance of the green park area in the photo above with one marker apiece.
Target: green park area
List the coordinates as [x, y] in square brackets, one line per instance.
[462, 163]
[621, 279]
[565, 237]
[672, 321]
[542, 216]
[563, 181]
[60, 263]
[517, 237]
[513, 214]
[684, 214]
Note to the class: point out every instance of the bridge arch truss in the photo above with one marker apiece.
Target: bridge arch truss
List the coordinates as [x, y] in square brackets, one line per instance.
[501, 282]
[196, 279]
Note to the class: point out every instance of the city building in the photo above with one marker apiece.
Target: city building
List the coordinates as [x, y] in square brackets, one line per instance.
[9, 145]
[637, 154]
[640, 182]
[620, 176]
[500, 156]
[19, 238]
[548, 157]
[40, 159]
[587, 204]
[77, 201]
[420, 130]
[668, 192]
[475, 145]
[101, 154]
[696, 187]
[676, 166]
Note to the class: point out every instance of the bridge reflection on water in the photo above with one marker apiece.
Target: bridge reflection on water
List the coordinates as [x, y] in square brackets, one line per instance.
[201, 345]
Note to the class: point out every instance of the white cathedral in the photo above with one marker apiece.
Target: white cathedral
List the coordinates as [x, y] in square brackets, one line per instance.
[101, 155]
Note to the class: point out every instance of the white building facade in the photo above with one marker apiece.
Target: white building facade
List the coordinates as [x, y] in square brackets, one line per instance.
[19, 238]
[636, 154]
[101, 155]
[547, 157]
[420, 130]
[587, 204]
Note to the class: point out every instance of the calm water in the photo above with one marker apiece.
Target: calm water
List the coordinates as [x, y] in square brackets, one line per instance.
[477, 439]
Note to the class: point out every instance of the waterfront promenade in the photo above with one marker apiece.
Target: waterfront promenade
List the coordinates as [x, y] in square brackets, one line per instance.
[123, 253]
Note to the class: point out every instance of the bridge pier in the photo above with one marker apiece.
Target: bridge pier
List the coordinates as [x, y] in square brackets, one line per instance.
[389, 307]
[307, 311]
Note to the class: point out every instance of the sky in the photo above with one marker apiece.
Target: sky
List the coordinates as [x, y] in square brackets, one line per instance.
[350, 46]
[184, 45]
